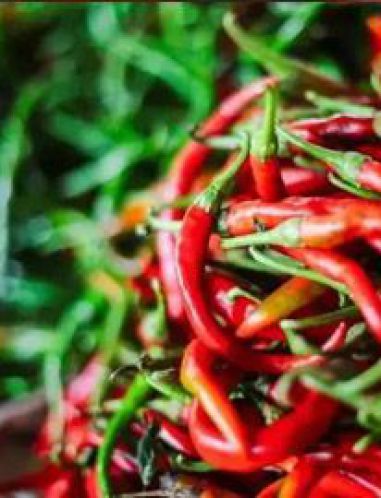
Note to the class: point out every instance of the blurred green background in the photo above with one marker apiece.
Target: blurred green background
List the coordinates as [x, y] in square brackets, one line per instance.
[94, 100]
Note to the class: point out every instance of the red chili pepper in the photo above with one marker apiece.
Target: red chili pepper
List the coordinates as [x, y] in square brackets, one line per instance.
[190, 260]
[340, 126]
[361, 216]
[374, 28]
[289, 435]
[172, 434]
[263, 154]
[236, 309]
[353, 167]
[324, 231]
[337, 484]
[296, 181]
[185, 169]
[271, 491]
[198, 377]
[289, 297]
[372, 150]
[299, 181]
[225, 443]
[342, 269]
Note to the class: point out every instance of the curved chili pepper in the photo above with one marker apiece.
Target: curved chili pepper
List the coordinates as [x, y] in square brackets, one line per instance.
[322, 231]
[289, 297]
[190, 259]
[351, 166]
[198, 377]
[270, 445]
[340, 126]
[337, 484]
[299, 181]
[303, 477]
[133, 399]
[235, 310]
[342, 269]
[357, 217]
[264, 163]
[172, 434]
[186, 166]
[226, 444]
[271, 491]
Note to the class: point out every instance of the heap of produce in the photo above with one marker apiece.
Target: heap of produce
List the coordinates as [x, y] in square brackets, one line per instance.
[252, 366]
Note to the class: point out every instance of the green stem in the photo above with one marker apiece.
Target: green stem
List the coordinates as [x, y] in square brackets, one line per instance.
[339, 105]
[182, 463]
[266, 144]
[119, 309]
[168, 389]
[285, 234]
[331, 389]
[134, 398]
[294, 270]
[350, 391]
[157, 223]
[347, 164]
[236, 259]
[364, 442]
[209, 199]
[353, 189]
[76, 316]
[298, 345]
[319, 320]
[237, 292]
[363, 381]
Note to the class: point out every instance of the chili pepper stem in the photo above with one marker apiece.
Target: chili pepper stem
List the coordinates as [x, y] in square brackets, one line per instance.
[135, 396]
[347, 164]
[210, 197]
[286, 234]
[339, 105]
[298, 271]
[264, 144]
[318, 320]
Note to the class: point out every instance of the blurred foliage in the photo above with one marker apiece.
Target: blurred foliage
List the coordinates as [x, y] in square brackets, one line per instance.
[94, 100]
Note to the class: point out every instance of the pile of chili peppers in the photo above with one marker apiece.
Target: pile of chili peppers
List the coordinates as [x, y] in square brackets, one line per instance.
[255, 368]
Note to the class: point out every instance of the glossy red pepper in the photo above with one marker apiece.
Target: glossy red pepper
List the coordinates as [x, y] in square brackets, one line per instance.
[184, 170]
[289, 435]
[340, 126]
[354, 167]
[352, 217]
[198, 376]
[263, 153]
[343, 269]
[171, 433]
[235, 309]
[190, 261]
